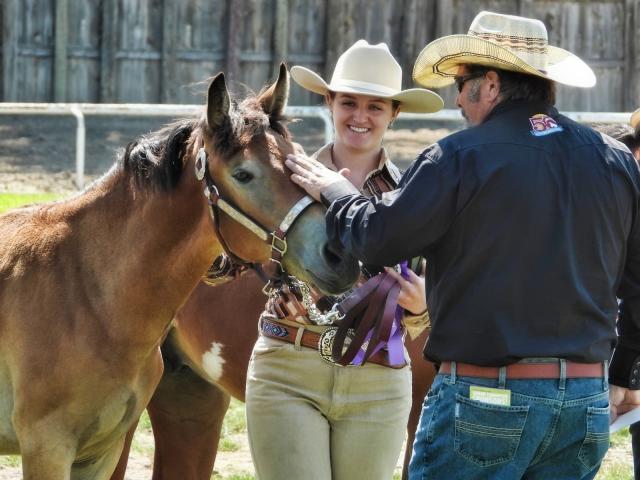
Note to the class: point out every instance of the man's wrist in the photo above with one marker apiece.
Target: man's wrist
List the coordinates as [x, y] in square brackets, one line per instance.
[624, 370]
[337, 190]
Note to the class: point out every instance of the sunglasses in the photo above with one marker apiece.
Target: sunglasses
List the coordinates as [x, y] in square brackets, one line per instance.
[462, 79]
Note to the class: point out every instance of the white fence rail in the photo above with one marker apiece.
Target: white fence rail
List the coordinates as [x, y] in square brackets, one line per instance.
[80, 110]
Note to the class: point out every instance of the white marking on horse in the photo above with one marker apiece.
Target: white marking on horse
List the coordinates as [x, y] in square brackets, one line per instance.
[212, 361]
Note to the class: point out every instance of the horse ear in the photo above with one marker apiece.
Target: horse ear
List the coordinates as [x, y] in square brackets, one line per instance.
[274, 100]
[217, 102]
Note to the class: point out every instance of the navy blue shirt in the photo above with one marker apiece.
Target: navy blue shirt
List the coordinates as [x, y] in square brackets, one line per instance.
[529, 223]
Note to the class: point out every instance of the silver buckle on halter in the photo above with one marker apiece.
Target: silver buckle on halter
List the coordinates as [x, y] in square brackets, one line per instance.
[281, 248]
[201, 162]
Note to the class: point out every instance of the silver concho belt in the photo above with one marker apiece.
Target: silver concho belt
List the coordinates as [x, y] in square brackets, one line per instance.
[325, 344]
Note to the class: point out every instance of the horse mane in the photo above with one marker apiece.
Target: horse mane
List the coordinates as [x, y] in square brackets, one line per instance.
[155, 160]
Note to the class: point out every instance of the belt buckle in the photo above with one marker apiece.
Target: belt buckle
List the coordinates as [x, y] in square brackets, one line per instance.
[325, 345]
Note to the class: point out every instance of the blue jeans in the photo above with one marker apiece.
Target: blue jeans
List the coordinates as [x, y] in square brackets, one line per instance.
[553, 429]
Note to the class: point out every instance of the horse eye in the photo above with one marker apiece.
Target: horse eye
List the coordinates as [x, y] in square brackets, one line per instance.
[242, 176]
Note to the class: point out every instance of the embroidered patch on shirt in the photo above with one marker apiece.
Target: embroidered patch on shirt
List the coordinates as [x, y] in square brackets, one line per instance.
[544, 125]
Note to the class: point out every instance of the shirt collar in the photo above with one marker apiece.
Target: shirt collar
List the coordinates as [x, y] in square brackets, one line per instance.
[384, 166]
[521, 106]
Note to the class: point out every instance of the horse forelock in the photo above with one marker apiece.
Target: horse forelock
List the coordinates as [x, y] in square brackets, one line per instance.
[246, 124]
[155, 160]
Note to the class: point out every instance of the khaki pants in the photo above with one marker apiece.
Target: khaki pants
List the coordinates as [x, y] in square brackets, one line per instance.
[311, 420]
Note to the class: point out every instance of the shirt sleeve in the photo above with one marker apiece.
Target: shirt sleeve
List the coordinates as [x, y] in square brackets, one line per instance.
[624, 370]
[415, 324]
[402, 223]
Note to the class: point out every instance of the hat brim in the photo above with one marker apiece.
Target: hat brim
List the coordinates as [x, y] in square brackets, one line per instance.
[413, 100]
[438, 62]
[635, 119]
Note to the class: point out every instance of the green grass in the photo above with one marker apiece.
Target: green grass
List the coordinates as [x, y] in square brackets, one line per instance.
[615, 468]
[228, 445]
[10, 461]
[13, 200]
[621, 437]
[234, 424]
[144, 425]
[616, 471]
[234, 420]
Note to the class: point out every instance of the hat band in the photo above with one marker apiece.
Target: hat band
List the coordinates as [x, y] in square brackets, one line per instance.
[532, 50]
[365, 87]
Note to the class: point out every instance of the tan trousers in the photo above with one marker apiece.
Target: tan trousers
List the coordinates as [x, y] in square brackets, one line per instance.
[311, 420]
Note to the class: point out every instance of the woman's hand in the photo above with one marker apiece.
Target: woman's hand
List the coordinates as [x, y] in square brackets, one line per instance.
[412, 293]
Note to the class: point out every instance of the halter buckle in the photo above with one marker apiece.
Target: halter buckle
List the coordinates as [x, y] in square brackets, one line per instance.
[200, 165]
[278, 244]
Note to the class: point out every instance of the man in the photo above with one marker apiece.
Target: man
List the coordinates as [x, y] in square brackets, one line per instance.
[630, 136]
[623, 133]
[529, 223]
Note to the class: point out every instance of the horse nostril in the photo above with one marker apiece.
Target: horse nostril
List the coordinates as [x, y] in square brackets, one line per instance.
[332, 257]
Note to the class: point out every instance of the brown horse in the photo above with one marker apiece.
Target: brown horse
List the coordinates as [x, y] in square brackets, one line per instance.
[89, 286]
[206, 355]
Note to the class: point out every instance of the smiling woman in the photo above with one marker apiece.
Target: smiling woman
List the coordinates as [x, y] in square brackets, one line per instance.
[291, 386]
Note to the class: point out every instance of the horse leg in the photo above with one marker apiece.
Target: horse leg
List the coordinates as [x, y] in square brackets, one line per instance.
[423, 373]
[99, 468]
[185, 407]
[121, 468]
[48, 459]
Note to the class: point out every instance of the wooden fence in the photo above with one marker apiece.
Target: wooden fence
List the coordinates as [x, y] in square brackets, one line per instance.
[161, 51]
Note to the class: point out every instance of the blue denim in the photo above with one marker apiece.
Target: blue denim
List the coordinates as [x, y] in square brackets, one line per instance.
[554, 429]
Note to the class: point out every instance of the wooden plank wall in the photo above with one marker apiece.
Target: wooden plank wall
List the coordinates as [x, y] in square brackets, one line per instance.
[164, 50]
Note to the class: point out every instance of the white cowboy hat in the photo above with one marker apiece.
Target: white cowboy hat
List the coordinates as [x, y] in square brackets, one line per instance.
[507, 42]
[635, 119]
[370, 70]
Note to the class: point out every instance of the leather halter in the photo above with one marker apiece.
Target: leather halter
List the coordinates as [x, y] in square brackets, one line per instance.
[276, 238]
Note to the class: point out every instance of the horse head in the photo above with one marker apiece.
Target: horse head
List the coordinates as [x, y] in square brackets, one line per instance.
[242, 161]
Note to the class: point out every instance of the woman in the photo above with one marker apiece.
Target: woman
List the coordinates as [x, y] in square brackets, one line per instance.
[309, 418]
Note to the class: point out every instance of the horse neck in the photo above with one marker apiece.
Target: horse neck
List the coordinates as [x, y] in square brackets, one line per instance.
[148, 251]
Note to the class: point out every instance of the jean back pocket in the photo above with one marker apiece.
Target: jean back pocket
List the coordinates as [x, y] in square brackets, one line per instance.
[487, 434]
[596, 441]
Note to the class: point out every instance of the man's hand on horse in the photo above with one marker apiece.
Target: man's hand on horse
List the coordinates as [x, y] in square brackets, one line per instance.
[314, 177]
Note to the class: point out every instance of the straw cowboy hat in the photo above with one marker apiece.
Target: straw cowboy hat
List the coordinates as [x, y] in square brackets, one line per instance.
[635, 119]
[370, 70]
[507, 42]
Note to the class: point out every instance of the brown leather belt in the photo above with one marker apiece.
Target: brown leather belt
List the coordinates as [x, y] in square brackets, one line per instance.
[312, 340]
[528, 370]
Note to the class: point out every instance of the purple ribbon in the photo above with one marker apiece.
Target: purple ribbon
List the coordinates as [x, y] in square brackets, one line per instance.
[394, 344]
